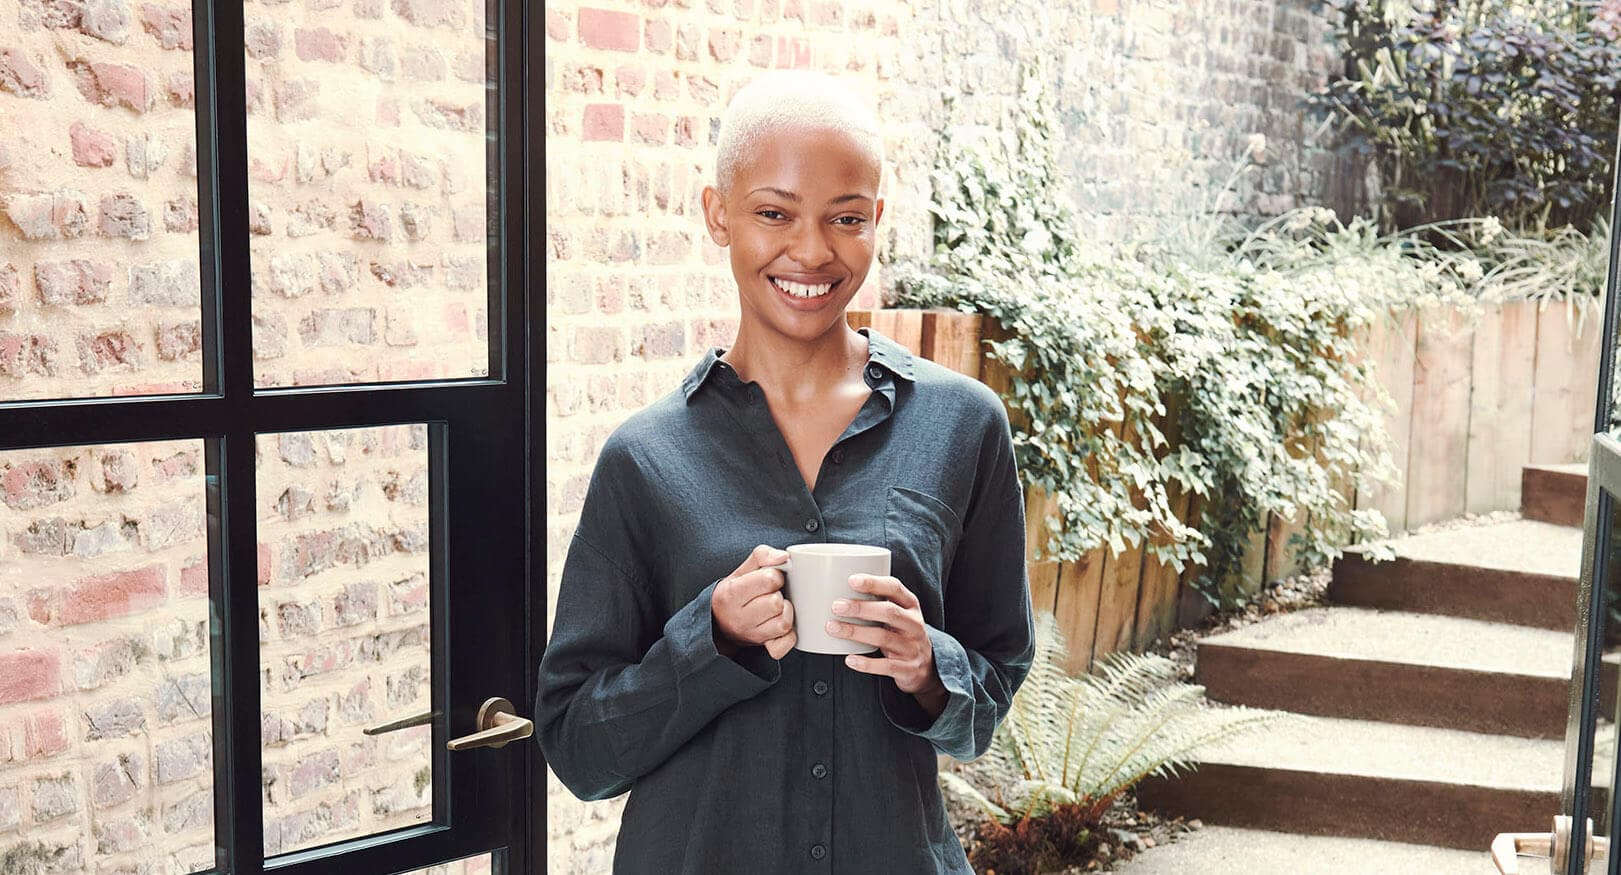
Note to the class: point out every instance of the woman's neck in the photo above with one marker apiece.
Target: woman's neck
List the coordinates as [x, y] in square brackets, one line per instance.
[797, 371]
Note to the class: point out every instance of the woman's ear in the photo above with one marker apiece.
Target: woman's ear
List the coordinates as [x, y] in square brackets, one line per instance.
[878, 211]
[715, 216]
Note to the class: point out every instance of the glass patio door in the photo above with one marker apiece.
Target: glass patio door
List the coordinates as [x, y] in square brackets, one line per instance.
[1577, 842]
[265, 439]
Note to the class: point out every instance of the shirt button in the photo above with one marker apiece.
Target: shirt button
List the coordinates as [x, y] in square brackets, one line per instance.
[812, 525]
[819, 771]
[838, 456]
[818, 852]
[819, 688]
[874, 373]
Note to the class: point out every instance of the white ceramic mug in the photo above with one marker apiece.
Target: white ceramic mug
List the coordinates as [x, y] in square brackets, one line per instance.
[818, 574]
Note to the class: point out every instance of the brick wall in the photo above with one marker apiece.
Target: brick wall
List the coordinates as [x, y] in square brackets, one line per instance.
[367, 195]
[1156, 99]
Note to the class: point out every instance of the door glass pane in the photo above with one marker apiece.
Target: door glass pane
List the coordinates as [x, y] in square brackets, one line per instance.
[99, 287]
[343, 623]
[1608, 575]
[106, 741]
[368, 129]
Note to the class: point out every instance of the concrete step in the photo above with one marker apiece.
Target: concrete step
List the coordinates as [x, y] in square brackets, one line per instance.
[1554, 493]
[1364, 779]
[1420, 669]
[1225, 850]
[1520, 571]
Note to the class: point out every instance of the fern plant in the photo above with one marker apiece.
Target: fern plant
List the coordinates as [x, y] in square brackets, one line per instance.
[1070, 746]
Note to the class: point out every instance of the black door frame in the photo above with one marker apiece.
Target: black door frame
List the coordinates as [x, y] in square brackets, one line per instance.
[482, 432]
[1603, 484]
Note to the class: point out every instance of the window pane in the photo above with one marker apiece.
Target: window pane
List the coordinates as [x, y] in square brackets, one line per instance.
[367, 140]
[99, 287]
[343, 524]
[106, 744]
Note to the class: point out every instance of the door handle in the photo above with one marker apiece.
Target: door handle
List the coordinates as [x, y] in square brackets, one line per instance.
[1554, 847]
[402, 723]
[498, 725]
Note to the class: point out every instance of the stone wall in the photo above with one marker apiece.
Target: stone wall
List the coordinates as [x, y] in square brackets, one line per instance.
[1158, 100]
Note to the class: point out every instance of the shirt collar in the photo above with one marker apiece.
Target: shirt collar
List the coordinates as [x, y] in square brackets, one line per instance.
[881, 351]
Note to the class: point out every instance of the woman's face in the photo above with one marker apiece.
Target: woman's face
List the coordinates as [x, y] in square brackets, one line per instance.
[800, 221]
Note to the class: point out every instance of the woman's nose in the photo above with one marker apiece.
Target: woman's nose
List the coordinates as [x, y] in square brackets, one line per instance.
[810, 248]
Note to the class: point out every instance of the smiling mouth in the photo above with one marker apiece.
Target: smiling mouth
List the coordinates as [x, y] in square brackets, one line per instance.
[804, 290]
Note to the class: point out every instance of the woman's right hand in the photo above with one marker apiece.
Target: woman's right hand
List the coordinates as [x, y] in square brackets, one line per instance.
[749, 608]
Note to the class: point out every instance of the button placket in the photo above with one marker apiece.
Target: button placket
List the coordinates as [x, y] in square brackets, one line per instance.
[818, 760]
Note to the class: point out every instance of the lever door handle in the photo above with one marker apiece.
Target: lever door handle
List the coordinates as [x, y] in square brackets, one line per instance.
[402, 723]
[1552, 846]
[498, 725]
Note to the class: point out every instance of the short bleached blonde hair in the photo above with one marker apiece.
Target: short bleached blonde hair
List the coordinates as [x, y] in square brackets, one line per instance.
[793, 98]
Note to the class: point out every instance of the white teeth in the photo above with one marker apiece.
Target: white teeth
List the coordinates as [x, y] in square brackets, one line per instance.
[801, 290]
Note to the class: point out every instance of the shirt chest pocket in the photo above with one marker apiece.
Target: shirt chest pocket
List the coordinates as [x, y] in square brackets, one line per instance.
[921, 532]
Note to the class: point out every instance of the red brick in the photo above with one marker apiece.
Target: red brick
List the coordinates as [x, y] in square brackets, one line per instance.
[456, 318]
[318, 44]
[604, 121]
[828, 13]
[760, 50]
[92, 148]
[43, 734]
[604, 29]
[686, 131]
[658, 36]
[649, 128]
[19, 75]
[29, 674]
[557, 25]
[113, 85]
[264, 564]
[100, 597]
[666, 86]
[630, 79]
[793, 52]
[724, 43]
[194, 578]
[171, 26]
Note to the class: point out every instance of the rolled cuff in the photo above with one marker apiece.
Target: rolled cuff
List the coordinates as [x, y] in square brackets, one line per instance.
[690, 633]
[952, 731]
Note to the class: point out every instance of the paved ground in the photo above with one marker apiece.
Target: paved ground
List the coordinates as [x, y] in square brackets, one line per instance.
[1219, 850]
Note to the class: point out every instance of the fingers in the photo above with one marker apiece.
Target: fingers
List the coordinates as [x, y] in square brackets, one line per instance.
[760, 557]
[886, 612]
[888, 587]
[781, 644]
[881, 637]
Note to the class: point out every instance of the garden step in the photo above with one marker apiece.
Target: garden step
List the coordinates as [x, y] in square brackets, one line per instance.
[1521, 571]
[1226, 850]
[1365, 779]
[1421, 669]
[1554, 493]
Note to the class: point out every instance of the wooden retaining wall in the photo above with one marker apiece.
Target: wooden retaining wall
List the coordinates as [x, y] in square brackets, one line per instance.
[1473, 404]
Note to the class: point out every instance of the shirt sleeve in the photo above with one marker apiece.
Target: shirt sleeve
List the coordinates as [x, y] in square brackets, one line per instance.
[622, 688]
[984, 652]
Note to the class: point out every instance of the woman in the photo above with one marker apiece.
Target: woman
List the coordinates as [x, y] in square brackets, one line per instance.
[675, 678]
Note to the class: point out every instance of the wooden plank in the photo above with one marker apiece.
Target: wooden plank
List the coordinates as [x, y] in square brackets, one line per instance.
[1437, 464]
[1157, 596]
[951, 339]
[1080, 584]
[1566, 379]
[1499, 443]
[1191, 607]
[1158, 599]
[902, 326]
[1392, 342]
[858, 319]
[1117, 604]
[1280, 557]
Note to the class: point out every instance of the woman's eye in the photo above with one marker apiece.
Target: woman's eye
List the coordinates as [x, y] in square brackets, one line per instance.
[850, 220]
[769, 214]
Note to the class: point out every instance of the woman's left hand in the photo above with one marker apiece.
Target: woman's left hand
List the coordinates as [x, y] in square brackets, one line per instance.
[908, 657]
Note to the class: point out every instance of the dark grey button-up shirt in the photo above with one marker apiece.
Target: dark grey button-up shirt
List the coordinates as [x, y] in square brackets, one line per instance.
[756, 765]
